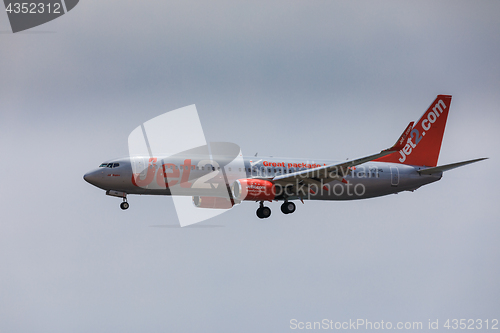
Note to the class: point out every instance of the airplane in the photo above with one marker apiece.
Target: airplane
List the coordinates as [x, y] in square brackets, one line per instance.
[214, 181]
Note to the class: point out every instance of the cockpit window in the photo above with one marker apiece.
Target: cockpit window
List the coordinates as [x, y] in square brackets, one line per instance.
[109, 165]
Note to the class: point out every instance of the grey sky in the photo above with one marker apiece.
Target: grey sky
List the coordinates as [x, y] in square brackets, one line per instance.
[318, 79]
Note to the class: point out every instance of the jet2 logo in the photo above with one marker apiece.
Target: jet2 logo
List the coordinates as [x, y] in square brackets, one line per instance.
[28, 14]
[426, 124]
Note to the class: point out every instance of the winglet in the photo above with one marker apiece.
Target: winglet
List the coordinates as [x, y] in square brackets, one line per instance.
[402, 139]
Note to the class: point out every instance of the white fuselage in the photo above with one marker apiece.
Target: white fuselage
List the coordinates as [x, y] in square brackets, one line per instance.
[197, 176]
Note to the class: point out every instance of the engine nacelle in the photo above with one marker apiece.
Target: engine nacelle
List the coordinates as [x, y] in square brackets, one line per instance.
[253, 189]
[212, 202]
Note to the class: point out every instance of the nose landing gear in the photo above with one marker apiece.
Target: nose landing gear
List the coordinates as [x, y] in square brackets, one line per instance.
[124, 205]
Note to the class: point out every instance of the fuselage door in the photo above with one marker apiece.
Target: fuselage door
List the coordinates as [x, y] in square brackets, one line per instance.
[140, 166]
[394, 176]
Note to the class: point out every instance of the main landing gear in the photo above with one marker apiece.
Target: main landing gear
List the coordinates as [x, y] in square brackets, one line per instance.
[288, 207]
[263, 212]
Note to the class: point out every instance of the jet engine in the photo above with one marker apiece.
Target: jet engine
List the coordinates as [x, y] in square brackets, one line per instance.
[253, 190]
[212, 202]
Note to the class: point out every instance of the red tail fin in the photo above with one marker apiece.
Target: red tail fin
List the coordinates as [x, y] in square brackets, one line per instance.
[400, 144]
[424, 143]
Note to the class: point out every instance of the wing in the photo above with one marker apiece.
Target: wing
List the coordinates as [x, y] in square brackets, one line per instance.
[337, 171]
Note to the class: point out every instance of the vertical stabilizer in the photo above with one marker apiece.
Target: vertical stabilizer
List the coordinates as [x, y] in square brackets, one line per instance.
[424, 143]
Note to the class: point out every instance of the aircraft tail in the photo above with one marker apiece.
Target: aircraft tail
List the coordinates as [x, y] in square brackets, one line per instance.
[424, 143]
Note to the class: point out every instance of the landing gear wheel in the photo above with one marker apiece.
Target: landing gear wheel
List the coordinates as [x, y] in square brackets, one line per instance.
[124, 205]
[266, 212]
[288, 207]
[263, 212]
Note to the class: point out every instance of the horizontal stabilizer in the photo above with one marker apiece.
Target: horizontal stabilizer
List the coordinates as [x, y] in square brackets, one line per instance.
[430, 171]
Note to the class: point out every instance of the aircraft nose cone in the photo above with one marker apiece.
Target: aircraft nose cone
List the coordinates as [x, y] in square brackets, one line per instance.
[92, 177]
[87, 177]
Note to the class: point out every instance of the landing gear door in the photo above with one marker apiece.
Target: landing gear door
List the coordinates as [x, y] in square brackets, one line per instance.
[394, 176]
